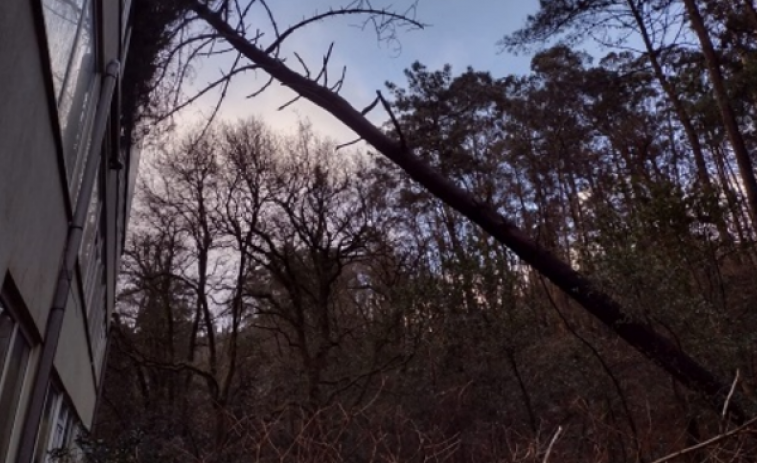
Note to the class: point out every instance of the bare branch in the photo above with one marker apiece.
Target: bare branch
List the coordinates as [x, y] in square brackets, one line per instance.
[271, 18]
[221, 98]
[551, 444]
[261, 89]
[747, 424]
[224, 80]
[290, 102]
[373, 12]
[370, 107]
[395, 122]
[349, 143]
[730, 395]
[338, 85]
[304, 66]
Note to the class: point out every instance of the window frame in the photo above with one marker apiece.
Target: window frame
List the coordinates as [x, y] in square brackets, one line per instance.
[18, 331]
[53, 440]
[76, 81]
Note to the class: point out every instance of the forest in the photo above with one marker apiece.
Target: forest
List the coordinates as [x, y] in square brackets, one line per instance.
[552, 267]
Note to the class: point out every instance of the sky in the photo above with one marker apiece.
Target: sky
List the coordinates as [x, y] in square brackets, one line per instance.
[458, 32]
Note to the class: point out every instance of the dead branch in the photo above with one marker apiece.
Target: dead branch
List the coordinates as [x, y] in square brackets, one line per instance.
[372, 12]
[709, 442]
[730, 395]
[551, 444]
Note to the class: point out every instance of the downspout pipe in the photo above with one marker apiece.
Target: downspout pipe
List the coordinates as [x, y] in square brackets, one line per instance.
[68, 268]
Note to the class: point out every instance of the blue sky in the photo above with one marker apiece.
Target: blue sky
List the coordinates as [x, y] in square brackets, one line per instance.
[460, 32]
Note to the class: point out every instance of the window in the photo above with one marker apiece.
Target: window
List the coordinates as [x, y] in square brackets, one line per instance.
[91, 260]
[62, 427]
[92, 267]
[43, 437]
[14, 358]
[70, 39]
[57, 429]
[100, 337]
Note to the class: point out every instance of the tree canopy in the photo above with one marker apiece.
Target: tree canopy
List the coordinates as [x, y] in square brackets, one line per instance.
[521, 268]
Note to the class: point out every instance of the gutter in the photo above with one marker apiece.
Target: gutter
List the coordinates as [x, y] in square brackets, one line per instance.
[65, 277]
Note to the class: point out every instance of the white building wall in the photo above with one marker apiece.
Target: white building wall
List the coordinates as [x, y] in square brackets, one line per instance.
[33, 215]
[35, 208]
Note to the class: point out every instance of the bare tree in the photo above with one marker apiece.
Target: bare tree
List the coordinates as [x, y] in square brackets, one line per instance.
[222, 27]
[251, 246]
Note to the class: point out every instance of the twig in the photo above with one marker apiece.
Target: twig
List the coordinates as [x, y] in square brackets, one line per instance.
[551, 444]
[349, 143]
[221, 98]
[304, 66]
[225, 78]
[730, 394]
[370, 107]
[387, 15]
[395, 122]
[290, 102]
[708, 442]
[272, 19]
[261, 89]
[325, 67]
[338, 85]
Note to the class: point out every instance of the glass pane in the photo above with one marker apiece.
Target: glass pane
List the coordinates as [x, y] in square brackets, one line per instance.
[90, 279]
[43, 437]
[83, 141]
[98, 309]
[62, 21]
[102, 345]
[6, 330]
[92, 300]
[73, 440]
[76, 91]
[90, 243]
[11, 389]
[62, 425]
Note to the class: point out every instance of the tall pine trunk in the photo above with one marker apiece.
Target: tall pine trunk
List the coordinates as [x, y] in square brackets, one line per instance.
[727, 113]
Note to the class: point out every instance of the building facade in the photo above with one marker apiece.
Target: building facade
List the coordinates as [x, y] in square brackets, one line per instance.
[65, 185]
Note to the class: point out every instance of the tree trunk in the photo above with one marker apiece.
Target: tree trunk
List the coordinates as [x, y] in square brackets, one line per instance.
[740, 151]
[680, 110]
[737, 212]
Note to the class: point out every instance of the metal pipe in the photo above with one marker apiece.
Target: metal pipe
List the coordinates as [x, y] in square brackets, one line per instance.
[66, 275]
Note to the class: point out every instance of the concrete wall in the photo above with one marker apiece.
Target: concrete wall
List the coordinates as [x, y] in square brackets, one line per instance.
[34, 204]
[33, 210]
[73, 362]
